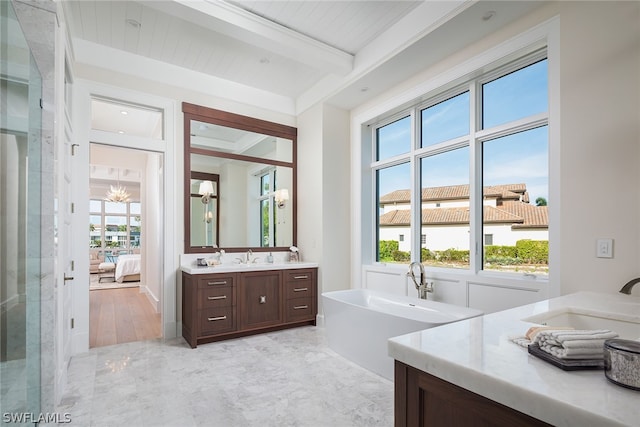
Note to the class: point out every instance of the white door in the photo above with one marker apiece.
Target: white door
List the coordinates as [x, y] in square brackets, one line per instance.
[65, 225]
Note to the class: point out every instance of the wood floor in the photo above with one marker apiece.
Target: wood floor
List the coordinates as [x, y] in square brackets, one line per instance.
[121, 315]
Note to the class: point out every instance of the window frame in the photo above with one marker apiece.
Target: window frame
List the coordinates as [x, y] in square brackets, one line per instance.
[128, 215]
[474, 140]
[269, 197]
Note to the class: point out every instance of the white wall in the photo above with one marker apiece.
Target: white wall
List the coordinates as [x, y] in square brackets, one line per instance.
[324, 200]
[594, 169]
[152, 233]
[600, 170]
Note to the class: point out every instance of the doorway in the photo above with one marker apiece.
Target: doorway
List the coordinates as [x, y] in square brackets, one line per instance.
[125, 244]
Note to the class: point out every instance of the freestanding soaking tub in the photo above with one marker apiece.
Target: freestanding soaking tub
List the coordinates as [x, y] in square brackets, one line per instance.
[360, 321]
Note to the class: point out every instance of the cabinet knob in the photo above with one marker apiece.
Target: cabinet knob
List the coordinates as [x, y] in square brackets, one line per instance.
[263, 299]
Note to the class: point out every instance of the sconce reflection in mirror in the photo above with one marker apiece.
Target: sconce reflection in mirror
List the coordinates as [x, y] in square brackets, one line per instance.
[281, 196]
[206, 191]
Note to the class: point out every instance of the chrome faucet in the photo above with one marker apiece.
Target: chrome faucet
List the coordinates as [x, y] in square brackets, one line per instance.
[626, 289]
[423, 287]
[247, 258]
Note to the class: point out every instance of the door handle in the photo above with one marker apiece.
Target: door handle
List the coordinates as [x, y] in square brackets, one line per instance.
[67, 277]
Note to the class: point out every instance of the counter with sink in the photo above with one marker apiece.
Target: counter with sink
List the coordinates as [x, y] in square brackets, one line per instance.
[476, 356]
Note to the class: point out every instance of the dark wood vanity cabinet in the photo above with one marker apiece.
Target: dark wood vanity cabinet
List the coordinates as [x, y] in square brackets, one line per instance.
[300, 295]
[422, 399]
[230, 305]
[261, 296]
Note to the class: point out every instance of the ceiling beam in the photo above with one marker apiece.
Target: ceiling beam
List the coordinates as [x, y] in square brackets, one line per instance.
[235, 22]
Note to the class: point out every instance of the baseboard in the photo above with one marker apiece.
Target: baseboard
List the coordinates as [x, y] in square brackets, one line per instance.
[320, 320]
[170, 330]
[155, 302]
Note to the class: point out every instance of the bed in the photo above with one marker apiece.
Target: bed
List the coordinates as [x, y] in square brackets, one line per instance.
[128, 268]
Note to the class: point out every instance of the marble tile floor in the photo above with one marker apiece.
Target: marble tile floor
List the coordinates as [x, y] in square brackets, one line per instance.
[284, 378]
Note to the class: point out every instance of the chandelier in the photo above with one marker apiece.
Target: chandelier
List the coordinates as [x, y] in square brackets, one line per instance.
[117, 193]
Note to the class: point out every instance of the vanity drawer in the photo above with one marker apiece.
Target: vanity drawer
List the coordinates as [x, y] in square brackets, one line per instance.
[217, 280]
[216, 320]
[298, 276]
[299, 309]
[298, 289]
[216, 296]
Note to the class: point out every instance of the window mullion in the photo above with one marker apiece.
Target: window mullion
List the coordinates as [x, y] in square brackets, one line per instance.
[416, 191]
[475, 177]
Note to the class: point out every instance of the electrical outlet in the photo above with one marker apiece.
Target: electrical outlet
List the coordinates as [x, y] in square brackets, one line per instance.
[604, 248]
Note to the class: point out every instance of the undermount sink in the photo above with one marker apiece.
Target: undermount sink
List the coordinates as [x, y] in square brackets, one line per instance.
[626, 327]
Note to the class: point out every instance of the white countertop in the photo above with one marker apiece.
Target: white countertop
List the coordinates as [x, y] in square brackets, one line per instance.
[231, 265]
[478, 355]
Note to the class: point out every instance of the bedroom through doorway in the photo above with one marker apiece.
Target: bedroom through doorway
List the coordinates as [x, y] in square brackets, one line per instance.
[125, 241]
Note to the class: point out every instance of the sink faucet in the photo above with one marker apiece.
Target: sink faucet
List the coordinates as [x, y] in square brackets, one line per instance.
[626, 289]
[422, 286]
[247, 258]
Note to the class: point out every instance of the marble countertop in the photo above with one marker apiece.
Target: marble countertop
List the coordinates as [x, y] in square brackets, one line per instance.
[478, 355]
[230, 265]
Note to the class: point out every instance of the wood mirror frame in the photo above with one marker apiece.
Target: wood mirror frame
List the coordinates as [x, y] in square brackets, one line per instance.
[236, 121]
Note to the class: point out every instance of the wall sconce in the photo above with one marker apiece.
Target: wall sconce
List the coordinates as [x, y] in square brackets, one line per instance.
[281, 196]
[206, 191]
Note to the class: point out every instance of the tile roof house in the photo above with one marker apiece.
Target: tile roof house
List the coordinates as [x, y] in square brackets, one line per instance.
[508, 216]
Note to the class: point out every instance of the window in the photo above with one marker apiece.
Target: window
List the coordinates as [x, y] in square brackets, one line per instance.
[268, 211]
[114, 227]
[468, 167]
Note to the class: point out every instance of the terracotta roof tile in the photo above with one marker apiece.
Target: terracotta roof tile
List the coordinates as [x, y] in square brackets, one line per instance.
[518, 214]
[456, 192]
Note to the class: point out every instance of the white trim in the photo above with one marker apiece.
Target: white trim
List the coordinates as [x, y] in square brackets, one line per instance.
[544, 34]
[154, 300]
[82, 117]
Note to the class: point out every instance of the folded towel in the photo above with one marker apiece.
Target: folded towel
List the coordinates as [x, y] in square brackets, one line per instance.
[574, 344]
[532, 332]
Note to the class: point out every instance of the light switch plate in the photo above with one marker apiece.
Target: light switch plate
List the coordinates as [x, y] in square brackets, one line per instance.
[604, 248]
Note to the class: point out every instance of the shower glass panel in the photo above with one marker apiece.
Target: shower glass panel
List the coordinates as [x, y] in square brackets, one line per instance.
[20, 181]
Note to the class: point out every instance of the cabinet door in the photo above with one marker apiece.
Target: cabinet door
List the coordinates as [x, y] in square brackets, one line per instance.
[260, 299]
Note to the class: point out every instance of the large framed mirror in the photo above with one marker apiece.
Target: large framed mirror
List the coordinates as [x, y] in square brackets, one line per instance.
[251, 164]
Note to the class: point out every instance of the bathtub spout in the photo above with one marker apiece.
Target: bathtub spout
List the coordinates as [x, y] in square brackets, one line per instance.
[422, 286]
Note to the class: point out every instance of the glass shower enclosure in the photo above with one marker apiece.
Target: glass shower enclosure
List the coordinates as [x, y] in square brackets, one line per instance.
[20, 213]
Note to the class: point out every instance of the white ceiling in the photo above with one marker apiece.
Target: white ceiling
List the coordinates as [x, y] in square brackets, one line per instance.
[285, 55]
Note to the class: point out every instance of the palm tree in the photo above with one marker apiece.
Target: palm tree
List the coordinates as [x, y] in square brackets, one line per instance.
[541, 201]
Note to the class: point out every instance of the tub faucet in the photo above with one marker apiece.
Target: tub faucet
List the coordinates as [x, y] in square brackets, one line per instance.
[423, 287]
[626, 289]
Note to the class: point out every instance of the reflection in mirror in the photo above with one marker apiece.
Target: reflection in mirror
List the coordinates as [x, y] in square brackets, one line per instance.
[255, 162]
[256, 207]
[205, 209]
[210, 136]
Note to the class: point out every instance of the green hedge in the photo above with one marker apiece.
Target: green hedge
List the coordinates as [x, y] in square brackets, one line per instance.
[533, 251]
[524, 252]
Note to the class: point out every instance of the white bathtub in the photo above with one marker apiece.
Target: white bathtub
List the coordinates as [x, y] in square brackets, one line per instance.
[360, 321]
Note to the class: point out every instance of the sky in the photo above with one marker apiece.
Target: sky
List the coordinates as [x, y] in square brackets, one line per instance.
[518, 158]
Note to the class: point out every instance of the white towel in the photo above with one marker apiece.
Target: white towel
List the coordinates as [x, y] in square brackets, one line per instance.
[574, 344]
[530, 335]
